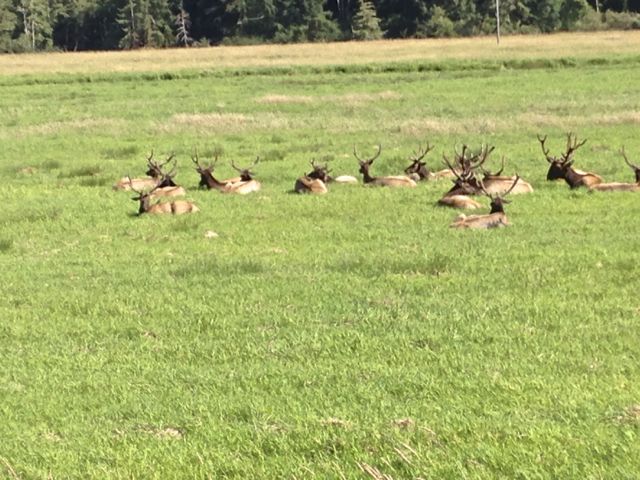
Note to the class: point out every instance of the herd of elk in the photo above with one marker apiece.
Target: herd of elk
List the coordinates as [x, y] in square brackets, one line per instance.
[463, 171]
[389, 181]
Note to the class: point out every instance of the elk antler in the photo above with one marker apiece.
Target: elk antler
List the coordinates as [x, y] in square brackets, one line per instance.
[451, 167]
[624, 155]
[420, 153]
[370, 160]
[572, 146]
[497, 174]
[545, 150]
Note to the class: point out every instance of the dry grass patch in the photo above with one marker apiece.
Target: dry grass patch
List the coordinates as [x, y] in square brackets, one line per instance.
[276, 99]
[203, 123]
[552, 46]
[85, 125]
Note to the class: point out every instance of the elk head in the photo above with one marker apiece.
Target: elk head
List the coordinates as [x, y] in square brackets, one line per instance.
[142, 197]
[417, 166]
[366, 163]
[155, 169]
[558, 167]
[465, 182]
[498, 200]
[206, 172]
[320, 172]
[635, 168]
[246, 174]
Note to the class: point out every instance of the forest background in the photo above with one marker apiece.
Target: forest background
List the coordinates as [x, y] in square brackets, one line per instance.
[36, 25]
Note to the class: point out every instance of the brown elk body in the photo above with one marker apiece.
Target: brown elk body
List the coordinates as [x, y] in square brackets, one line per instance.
[562, 168]
[313, 182]
[176, 207]
[388, 181]
[496, 218]
[620, 186]
[498, 183]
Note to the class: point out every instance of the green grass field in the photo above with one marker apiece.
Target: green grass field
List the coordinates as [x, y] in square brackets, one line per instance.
[347, 336]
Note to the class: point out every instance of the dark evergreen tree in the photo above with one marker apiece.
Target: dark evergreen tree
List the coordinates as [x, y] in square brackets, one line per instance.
[366, 24]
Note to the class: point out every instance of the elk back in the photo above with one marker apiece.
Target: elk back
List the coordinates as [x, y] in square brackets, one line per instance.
[491, 220]
[394, 181]
[310, 185]
[459, 201]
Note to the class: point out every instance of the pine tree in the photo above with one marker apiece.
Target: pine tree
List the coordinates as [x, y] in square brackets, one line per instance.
[366, 24]
[8, 20]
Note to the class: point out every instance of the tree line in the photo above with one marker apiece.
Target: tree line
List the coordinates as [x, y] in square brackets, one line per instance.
[34, 25]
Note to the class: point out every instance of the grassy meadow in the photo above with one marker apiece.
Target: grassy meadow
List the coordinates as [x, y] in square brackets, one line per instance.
[353, 335]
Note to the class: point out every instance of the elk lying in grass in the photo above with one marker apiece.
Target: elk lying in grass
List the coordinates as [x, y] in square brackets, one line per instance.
[166, 187]
[618, 186]
[496, 218]
[498, 183]
[389, 181]
[314, 181]
[244, 184]
[465, 182]
[176, 207]
[562, 168]
[419, 171]
[154, 172]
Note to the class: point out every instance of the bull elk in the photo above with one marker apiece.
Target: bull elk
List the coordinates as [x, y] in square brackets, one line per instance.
[498, 183]
[166, 187]
[154, 172]
[176, 207]
[419, 171]
[618, 186]
[496, 218]
[562, 168]
[244, 184]
[389, 181]
[314, 181]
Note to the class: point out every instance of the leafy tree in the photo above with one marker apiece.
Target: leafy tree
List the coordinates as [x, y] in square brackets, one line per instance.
[438, 25]
[571, 12]
[366, 24]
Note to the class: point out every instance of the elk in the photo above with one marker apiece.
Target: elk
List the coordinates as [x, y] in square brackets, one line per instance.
[389, 181]
[176, 207]
[618, 186]
[562, 168]
[154, 172]
[244, 185]
[418, 170]
[465, 183]
[166, 187]
[496, 218]
[498, 183]
[314, 181]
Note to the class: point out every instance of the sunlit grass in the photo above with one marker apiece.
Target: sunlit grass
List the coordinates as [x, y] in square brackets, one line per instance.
[575, 45]
[343, 336]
